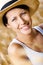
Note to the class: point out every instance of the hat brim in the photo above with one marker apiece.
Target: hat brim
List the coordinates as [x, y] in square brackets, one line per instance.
[32, 4]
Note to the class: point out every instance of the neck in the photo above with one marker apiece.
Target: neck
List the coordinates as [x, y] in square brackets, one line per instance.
[26, 38]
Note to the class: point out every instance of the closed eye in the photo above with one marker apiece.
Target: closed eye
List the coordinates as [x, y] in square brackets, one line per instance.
[23, 13]
[14, 19]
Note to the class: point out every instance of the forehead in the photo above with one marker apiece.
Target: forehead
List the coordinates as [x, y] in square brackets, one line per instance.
[15, 11]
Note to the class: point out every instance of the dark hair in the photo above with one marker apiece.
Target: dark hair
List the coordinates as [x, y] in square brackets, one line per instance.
[4, 18]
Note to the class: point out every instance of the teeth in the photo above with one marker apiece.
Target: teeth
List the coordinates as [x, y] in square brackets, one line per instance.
[24, 25]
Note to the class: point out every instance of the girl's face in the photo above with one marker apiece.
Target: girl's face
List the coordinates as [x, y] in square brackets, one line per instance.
[19, 20]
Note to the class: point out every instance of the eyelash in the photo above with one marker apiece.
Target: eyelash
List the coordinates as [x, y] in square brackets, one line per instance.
[13, 19]
[23, 13]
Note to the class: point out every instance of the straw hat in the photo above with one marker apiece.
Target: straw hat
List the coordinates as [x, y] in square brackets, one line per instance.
[32, 4]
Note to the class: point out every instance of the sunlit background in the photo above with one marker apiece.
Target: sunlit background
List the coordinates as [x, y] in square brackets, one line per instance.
[7, 35]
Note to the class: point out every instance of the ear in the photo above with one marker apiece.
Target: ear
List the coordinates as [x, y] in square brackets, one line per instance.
[8, 26]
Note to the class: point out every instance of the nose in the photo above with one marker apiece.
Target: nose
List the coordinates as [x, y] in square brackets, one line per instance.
[21, 21]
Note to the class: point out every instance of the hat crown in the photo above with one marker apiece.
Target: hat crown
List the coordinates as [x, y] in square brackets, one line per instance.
[7, 3]
[32, 4]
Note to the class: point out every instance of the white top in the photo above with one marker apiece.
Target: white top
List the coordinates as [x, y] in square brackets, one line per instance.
[39, 29]
[36, 58]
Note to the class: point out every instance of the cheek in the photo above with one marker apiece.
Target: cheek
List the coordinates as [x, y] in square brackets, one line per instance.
[27, 17]
[15, 25]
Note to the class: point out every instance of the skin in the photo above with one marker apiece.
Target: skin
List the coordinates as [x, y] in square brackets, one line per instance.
[19, 20]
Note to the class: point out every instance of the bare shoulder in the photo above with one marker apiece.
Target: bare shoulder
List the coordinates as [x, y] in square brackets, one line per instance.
[14, 48]
[16, 52]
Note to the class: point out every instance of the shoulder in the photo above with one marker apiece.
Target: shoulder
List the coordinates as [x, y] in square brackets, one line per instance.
[16, 50]
[41, 25]
[15, 46]
[39, 29]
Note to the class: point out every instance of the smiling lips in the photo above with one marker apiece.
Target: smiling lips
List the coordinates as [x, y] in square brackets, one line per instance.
[25, 27]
